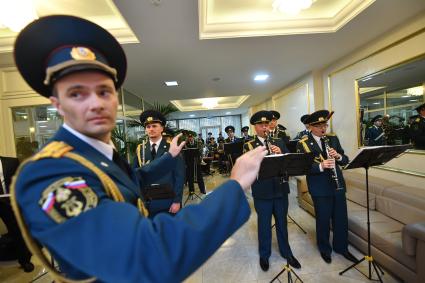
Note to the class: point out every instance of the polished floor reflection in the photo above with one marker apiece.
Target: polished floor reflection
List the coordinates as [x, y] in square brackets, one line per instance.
[237, 258]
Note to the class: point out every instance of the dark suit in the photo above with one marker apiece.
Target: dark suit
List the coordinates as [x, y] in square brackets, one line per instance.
[417, 133]
[112, 241]
[301, 134]
[329, 203]
[10, 165]
[193, 167]
[173, 178]
[374, 136]
[271, 198]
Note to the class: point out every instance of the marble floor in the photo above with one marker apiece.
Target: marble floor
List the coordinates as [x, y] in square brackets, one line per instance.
[237, 258]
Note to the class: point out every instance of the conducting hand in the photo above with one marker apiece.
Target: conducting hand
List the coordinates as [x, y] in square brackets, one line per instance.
[174, 148]
[247, 166]
[328, 163]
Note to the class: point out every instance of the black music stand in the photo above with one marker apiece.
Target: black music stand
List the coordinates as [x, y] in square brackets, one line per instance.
[365, 158]
[292, 146]
[192, 154]
[234, 149]
[283, 166]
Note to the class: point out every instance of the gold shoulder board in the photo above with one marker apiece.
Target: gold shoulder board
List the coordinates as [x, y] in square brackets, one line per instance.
[54, 149]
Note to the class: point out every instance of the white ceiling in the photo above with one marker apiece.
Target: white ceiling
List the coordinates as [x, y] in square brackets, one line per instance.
[170, 47]
[171, 50]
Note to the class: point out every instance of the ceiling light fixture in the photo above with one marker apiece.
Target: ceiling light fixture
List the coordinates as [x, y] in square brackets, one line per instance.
[16, 14]
[210, 103]
[377, 103]
[192, 115]
[291, 7]
[261, 77]
[171, 83]
[416, 91]
[228, 113]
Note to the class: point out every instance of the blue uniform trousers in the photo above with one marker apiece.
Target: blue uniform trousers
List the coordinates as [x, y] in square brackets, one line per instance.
[331, 208]
[265, 208]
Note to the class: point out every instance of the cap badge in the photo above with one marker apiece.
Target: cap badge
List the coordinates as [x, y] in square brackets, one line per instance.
[321, 119]
[149, 119]
[263, 119]
[82, 53]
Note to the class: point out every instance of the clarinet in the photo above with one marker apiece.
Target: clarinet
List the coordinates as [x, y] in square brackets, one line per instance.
[334, 174]
[267, 143]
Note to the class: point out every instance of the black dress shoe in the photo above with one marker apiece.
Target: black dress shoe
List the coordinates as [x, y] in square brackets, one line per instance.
[326, 257]
[292, 261]
[27, 267]
[350, 256]
[264, 264]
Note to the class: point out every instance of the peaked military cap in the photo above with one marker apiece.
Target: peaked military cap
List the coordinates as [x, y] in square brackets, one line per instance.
[304, 118]
[275, 114]
[377, 117]
[281, 127]
[229, 128]
[54, 46]
[420, 107]
[245, 129]
[260, 117]
[318, 117]
[168, 132]
[152, 116]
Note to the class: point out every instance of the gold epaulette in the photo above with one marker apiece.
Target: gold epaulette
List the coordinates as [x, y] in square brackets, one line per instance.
[55, 149]
[304, 138]
[249, 144]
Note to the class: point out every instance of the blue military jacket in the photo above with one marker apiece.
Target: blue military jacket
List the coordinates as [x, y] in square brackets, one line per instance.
[374, 136]
[174, 177]
[272, 187]
[111, 240]
[321, 183]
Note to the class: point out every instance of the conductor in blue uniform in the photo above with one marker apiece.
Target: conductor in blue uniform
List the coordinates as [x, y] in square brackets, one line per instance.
[78, 199]
[163, 193]
[329, 199]
[375, 134]
[270, 197]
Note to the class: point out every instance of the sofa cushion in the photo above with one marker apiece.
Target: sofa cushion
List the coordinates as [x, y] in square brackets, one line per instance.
[400, 211]
[376, 184]
[359, 196]
[409, 195]
[385, 234]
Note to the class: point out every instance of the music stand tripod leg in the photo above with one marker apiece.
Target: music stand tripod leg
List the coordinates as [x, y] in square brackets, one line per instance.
[290, 271]
[295, 222]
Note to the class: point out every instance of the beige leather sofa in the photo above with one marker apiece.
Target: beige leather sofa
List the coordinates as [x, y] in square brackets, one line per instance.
[397, 217]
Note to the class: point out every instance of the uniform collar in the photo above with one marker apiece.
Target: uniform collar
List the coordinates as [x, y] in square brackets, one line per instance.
[106, 149]
[157, 142]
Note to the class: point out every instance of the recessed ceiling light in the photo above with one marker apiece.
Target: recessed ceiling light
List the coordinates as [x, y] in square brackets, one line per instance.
[210, 103]
[171, 83]
[405, 96]
[413, 100]
[228, 113]
[261, 77]
[377, 103]
[192, 115]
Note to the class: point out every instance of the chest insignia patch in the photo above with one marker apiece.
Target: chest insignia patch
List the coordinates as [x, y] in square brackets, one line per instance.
[67, 198]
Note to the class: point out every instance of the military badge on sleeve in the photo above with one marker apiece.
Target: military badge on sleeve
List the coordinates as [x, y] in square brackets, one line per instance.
[67, 198]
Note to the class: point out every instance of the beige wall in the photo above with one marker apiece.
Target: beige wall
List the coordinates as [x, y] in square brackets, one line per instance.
[14, 92]
[334, 88]
[404, 43]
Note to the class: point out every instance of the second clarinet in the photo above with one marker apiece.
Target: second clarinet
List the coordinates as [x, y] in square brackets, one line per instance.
[334, 173]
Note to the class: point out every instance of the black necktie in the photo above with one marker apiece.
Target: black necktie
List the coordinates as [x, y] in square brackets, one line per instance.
[153, 151]
[116, 158]
[325, 156]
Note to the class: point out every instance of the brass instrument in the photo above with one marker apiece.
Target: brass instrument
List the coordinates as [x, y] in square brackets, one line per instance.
[334, 173]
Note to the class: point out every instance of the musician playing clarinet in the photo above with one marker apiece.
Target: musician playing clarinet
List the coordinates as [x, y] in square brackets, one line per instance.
[270, 196]
[327, 186]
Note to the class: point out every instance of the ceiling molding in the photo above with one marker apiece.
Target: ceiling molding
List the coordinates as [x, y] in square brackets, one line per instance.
[110, 19]
[229, 102]
[318, 22]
